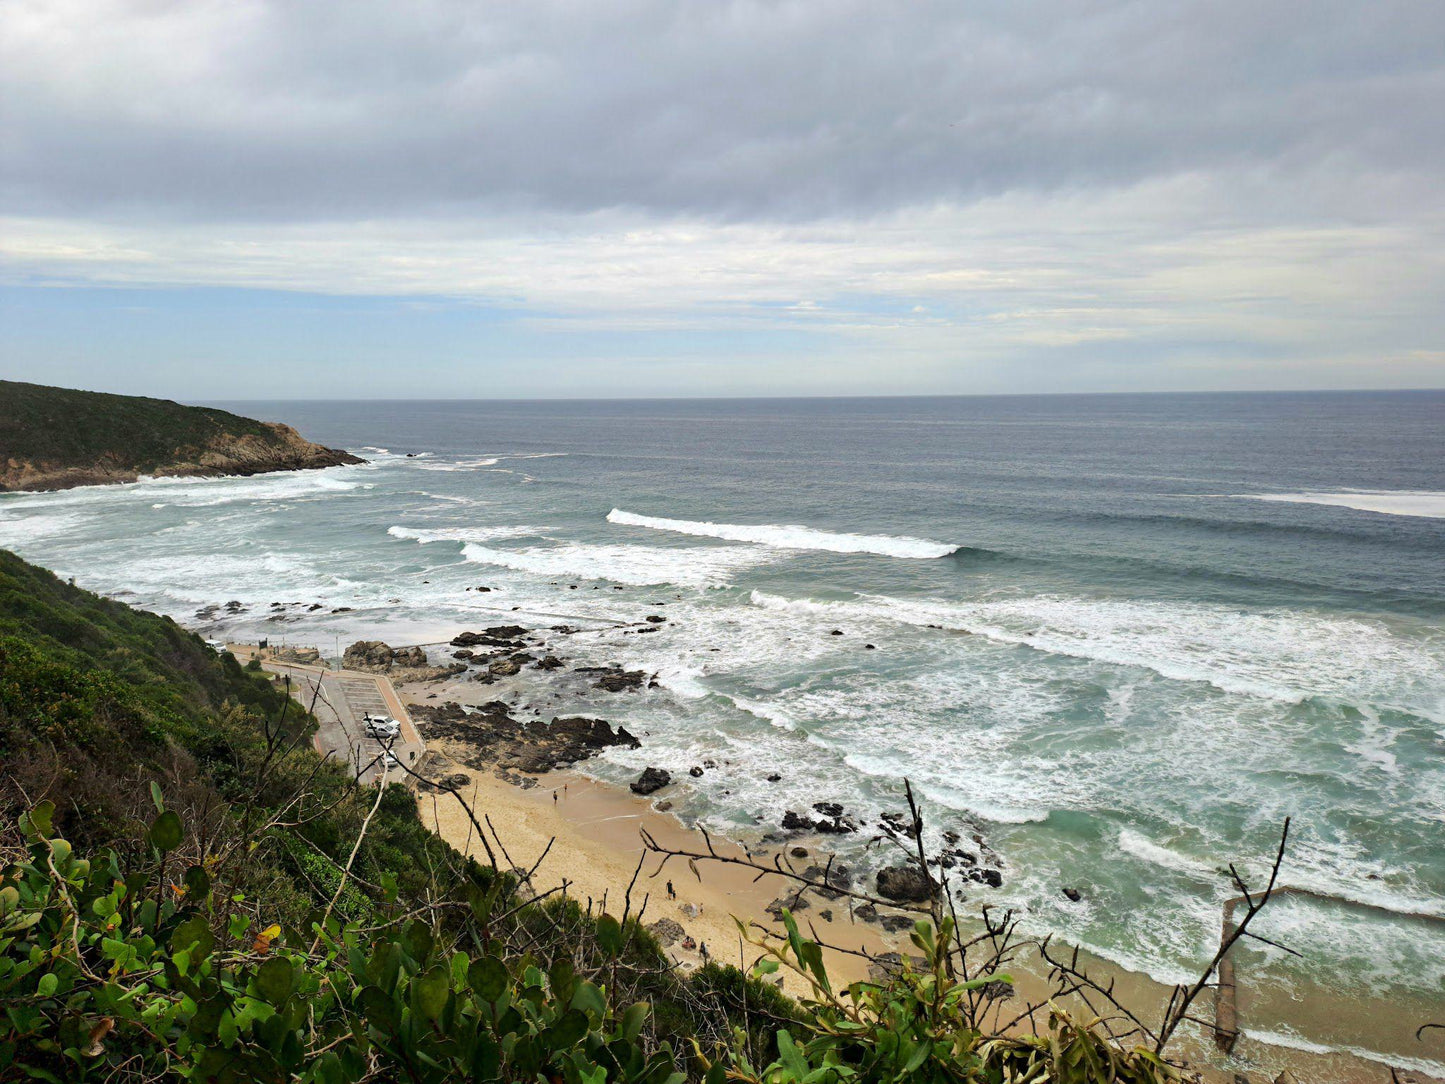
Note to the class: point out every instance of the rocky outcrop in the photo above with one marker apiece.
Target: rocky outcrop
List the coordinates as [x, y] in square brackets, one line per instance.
[399, 664]
[614, 680]
[651, 780]
[906, 884]
[832, 820]
[489, 737]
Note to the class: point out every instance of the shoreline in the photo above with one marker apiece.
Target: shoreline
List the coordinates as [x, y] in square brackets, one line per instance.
[592, 829]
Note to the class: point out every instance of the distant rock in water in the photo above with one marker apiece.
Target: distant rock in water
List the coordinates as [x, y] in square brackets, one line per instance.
[58, 438]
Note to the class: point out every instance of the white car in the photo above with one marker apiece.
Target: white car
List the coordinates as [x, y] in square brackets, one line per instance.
[218, 646]
[381, 726]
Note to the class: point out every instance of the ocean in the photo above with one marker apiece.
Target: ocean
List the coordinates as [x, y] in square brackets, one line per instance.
[1120, 637]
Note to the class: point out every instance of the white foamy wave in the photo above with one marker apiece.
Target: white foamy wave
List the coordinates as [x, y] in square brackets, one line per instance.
[287, 486]
[450, 498]
[786, 536]
[21, 530]
[423, 535]
[1279, 654]
[459, 464]
[1400, 502]
[639, 565]
[1291, 1041]
[1131, 842]
[471, 463]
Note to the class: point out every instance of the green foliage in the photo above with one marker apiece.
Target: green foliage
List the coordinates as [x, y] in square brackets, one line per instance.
[104, 967]
[66, 427]
[917, 1027]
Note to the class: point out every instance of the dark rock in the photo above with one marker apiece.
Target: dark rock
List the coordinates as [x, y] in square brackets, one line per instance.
[998, 990]
[496, 636]
[799, 852]
[900, 824]
[896, 923]
[828, 809]
[652, 779]
[867, 912]
[694, 771]
[826, 914]
[663, 806]
[829, 823]
[504, 668]
[836, 632]
[657, 619]
[1073, 894]
[983, 875]
[615, 681]
[667, 931]
[493, 738]
[549, 662]
[774, 777]
[908, 884]
[795, 903]
[463, 654]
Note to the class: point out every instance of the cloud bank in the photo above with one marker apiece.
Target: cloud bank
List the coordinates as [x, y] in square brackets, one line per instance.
[1229, 185]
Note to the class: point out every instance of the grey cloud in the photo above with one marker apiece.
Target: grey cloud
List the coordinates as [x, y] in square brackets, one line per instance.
[731, 110]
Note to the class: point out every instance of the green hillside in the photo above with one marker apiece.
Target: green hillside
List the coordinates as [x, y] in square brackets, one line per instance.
[60, 437]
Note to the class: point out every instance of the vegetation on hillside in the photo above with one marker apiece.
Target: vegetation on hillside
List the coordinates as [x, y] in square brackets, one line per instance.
[57, 437]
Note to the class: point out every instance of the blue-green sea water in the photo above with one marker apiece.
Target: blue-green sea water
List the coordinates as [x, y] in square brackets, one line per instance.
[1122, 637]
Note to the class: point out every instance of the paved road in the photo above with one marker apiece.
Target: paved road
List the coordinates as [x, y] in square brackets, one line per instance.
[345, 697]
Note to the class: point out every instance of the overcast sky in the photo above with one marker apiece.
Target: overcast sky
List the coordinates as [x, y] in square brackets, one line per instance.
[233, 198]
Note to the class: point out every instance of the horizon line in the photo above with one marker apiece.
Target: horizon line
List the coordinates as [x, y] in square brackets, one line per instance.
[774, 398]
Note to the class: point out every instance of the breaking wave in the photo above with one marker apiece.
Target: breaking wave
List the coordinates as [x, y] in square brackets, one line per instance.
[1283, 655]
[713, 566]
[423, 535]
[789, 536]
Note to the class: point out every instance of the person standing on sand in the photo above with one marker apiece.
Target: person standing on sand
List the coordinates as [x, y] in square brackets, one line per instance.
[671, 892]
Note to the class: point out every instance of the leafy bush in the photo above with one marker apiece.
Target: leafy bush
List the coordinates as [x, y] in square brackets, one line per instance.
[106, 970]
[914, 1028]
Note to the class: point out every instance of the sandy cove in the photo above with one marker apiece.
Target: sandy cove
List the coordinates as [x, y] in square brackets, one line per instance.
[595, 842]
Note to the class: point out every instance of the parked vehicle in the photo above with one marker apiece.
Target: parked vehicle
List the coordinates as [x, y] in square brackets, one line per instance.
[218, 646]
[381, 726]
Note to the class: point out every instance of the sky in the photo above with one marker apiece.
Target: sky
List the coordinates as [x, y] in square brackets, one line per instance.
[228, 199]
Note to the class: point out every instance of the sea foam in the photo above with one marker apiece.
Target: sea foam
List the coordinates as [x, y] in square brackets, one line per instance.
[790, 536]
[1422, 503]
[712, 566]
[1284, 655]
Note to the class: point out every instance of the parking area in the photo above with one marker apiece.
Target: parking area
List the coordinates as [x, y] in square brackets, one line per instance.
[346, 697]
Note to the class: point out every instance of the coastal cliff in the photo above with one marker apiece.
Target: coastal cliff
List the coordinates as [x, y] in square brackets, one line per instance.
[58, 438]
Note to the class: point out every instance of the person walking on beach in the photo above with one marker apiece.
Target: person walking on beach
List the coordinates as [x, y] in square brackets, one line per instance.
[702, 948]
[671, 892]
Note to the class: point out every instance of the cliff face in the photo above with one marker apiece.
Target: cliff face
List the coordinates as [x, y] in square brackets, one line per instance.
[57, 438]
